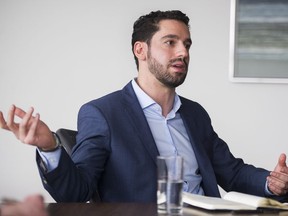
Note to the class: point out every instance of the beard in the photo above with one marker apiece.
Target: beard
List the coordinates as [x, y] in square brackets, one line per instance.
[162, 74]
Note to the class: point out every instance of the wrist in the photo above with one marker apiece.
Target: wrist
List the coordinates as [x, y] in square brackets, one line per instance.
[57, 144]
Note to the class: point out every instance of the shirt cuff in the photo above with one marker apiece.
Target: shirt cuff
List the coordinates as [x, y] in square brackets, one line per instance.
[267, 191]
[51, 159]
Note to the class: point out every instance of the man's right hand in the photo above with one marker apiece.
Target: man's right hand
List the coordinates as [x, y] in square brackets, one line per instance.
[30, 130]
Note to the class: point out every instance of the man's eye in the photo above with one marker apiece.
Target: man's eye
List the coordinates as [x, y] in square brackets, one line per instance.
[188, 46]
[169, 42]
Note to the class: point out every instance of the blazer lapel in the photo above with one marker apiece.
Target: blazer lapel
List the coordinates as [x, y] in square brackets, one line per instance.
[138, 120]
[204, 163]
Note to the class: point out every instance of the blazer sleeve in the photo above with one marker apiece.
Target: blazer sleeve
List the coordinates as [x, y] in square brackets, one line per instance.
[75, 179]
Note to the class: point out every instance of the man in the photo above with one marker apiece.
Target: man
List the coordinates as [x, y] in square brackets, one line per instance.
[121, 134]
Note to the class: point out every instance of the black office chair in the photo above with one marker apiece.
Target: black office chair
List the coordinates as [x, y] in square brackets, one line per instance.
[68, 138]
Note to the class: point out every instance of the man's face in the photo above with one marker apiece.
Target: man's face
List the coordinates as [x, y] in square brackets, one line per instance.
[168, 54]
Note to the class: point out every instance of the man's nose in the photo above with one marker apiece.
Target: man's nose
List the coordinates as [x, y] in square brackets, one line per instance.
[182, 51]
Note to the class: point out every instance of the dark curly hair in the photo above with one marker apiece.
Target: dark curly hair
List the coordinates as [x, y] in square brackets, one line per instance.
[147, 25]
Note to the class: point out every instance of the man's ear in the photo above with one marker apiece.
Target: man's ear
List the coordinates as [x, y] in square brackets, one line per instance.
[140, 50]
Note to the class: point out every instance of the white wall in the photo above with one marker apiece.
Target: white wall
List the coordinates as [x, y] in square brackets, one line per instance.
[56, 55]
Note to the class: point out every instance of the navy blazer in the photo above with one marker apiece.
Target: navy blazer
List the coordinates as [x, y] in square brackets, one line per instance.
[116, 155]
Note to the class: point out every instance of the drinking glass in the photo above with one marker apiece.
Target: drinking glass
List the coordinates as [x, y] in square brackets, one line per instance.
[170, 184]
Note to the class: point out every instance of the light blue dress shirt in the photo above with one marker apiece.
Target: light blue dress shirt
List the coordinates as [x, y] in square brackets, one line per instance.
[171, 137]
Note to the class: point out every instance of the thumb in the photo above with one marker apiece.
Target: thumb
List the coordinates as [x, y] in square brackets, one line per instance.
[282, 160]
[281, 163]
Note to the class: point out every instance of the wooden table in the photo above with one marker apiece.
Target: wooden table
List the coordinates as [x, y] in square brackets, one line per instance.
[132, 209]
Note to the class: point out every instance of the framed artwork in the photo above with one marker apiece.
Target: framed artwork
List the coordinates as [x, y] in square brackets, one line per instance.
[259, 41]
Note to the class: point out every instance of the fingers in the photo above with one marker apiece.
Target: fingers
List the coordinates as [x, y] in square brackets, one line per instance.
[3, 124]
[36, 205]
[23, 126]
[32, 130]
[36, 198]
[32, 205]
[276, 186]
[25, 130]
[278, 179]
[11, 125]
[19, 112]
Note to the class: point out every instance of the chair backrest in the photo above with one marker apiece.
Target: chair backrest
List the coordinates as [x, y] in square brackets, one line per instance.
[68, 138]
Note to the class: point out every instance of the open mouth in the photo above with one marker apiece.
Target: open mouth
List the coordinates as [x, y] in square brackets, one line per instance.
[179, 66]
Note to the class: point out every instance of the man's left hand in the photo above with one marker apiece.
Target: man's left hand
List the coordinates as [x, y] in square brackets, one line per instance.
[278, 179]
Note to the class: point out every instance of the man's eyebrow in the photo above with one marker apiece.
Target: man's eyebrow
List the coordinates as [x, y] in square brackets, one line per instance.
[169, 36]
[172, 36]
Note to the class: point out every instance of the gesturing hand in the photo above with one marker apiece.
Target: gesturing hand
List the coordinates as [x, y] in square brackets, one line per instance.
[278, 179]
[30, 130]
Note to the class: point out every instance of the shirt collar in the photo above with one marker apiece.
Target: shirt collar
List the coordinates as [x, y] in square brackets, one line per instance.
[146, 101]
